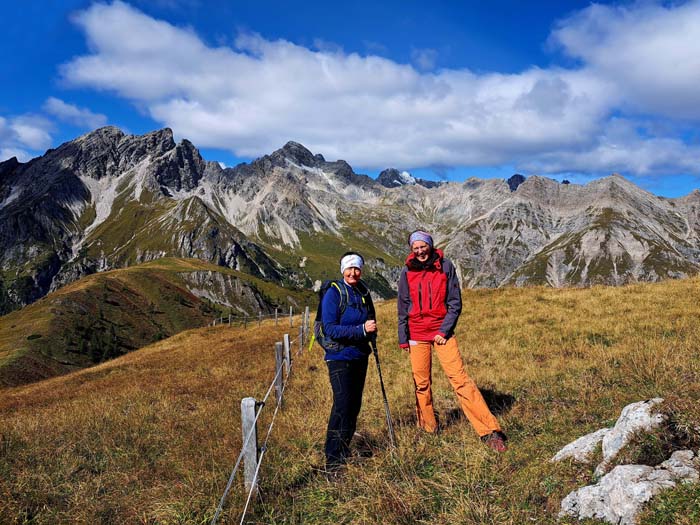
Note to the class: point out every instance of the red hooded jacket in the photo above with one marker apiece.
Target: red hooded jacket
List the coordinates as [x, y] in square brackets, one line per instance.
[430, 299]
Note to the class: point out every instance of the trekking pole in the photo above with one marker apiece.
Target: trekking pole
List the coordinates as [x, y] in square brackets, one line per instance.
[389, 422]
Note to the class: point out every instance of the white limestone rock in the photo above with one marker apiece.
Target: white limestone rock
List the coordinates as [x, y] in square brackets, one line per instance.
[583, 448]
[634, 417]
[619, 495]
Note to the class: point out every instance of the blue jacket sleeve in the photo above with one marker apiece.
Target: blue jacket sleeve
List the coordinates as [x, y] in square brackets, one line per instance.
[332, 326]
[403, 304]
[453, 300]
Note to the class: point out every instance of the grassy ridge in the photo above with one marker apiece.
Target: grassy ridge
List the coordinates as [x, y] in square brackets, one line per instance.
[150, 437]
[108, 314]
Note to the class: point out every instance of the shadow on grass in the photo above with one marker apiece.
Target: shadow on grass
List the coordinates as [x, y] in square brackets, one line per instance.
[498, 403]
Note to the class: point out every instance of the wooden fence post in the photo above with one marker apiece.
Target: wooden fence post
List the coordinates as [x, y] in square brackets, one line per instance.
[229, 320]
[287, 355]
[275, 316]
[250, 449]
[306, 321]
[290, 317]
[301, 339]
[260, 318]
[279, 358]
[245, 321]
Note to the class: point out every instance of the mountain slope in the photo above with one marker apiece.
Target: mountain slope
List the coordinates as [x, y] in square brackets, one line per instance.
[108, 314]
[109, 200]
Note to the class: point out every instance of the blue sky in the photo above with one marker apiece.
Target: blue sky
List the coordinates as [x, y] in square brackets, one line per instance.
[443, 89]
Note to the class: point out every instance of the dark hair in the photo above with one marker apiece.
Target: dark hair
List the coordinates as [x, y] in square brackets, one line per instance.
[351, 253]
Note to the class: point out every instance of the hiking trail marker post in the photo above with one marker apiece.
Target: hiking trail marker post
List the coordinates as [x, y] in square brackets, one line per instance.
[250, 448]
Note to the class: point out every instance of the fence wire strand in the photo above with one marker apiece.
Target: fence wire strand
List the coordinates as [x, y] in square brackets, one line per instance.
[220, 507]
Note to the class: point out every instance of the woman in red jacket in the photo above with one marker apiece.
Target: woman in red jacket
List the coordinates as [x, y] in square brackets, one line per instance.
[429, 305]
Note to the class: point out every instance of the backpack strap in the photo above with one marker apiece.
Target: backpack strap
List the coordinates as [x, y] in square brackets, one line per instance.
[344, 295]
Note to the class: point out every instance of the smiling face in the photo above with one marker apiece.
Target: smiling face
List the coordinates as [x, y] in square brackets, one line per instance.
[421, 250]
[352, 275]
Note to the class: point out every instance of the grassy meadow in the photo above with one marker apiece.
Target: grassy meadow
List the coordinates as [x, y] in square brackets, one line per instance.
[107, 314]
[151, 436]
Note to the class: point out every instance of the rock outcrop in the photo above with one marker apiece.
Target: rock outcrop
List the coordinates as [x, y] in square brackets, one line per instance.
[618, 496]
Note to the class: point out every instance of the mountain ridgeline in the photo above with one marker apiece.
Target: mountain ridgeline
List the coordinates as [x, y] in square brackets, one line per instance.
[109, 200]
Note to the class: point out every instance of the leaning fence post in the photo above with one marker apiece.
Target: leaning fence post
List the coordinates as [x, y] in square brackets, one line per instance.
[275, 316]
[287, 355]
[301, 339]
[250, 449]
[279, 357]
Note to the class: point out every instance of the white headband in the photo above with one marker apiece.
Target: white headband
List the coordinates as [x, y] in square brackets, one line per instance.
[350, 261]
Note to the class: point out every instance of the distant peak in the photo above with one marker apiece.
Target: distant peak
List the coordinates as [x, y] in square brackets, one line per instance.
[515, 181]
[393, 178]
[295, 152]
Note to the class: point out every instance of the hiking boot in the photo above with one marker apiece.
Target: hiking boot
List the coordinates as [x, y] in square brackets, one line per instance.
[495, 441]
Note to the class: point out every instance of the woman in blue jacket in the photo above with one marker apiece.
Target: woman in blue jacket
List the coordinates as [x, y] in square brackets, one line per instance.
[349, 320]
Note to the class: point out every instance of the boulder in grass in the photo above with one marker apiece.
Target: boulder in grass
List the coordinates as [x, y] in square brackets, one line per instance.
[619, 495]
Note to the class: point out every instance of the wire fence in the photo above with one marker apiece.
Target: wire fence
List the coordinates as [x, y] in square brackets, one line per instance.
[283, 363]
[244, 319]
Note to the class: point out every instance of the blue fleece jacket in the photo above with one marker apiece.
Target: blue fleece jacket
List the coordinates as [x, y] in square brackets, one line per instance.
[348, 328]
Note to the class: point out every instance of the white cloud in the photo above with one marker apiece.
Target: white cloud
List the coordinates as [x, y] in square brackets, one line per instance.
[253, 97]
[648, 51]
[21, 134]
[73, 114]
[621, 147]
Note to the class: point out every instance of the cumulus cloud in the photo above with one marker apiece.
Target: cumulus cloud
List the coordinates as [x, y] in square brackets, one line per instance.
[648, 51]
[21, 135]
[72, 114]
[252, 97]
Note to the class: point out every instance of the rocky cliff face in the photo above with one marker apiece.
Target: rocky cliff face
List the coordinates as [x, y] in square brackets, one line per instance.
[108, 200]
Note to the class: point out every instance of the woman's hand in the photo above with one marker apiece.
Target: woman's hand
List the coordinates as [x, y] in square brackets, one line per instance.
[439, 340]
[370, 326]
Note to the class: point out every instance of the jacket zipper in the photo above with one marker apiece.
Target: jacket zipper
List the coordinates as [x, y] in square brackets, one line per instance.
[430, 295]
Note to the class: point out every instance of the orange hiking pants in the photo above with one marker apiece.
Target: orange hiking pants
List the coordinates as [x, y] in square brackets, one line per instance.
[470, 399]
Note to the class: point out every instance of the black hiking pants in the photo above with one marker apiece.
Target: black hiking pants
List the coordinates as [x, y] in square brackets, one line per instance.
[348, 382]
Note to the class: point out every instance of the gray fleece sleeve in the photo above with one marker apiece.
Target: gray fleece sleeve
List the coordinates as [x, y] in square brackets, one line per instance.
[453, 300]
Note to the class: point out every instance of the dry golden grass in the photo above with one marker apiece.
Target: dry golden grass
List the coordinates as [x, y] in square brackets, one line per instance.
[151, 437]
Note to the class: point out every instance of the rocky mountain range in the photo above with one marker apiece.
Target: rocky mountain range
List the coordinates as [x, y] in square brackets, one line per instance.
[108, 200]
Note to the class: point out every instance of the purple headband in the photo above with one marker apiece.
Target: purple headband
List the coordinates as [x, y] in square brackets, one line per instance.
[419, 235]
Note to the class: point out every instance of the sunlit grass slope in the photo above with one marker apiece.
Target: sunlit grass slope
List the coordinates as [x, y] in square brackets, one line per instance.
[108, 314]
[151, 437]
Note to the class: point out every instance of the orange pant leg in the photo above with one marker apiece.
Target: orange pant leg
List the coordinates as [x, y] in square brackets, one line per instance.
[421, 362]
[470, 399]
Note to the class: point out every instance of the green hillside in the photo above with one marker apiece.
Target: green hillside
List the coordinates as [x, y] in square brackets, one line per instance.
[152, 436]
[106, 315]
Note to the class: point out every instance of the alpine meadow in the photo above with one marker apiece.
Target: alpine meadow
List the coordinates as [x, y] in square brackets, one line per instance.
[350, 263]
[151, 437]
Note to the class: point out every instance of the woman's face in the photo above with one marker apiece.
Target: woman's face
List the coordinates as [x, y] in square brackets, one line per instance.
[352, 275]
[421, 250]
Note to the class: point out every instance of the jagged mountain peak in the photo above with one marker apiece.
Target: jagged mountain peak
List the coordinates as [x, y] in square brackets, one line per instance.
[515, 181]
[295, 152]
[393, 178]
